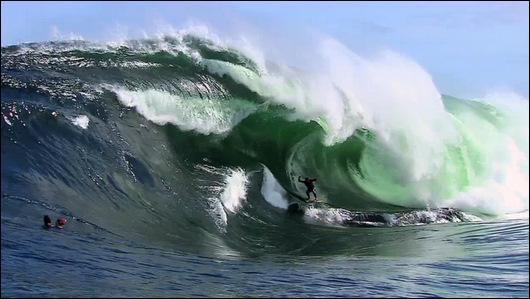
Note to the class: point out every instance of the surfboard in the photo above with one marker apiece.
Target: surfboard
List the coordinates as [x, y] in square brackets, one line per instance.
[297, 196]
[304, 200]
[300, 204]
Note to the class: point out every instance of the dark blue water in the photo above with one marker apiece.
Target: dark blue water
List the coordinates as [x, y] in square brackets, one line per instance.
[488, 259]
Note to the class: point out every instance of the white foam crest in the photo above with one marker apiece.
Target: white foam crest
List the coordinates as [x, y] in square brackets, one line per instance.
[396, 98]
[241, 43]
[235, 190]
[390, 94]
[163, 30]
[167, 39]
[343, 86]
[202, 115]
[272, 191]
[80, 121]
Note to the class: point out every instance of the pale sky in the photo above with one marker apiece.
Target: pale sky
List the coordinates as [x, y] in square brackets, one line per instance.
[469, 48]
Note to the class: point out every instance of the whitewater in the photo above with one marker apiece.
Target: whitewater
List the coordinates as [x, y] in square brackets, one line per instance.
[176, 159]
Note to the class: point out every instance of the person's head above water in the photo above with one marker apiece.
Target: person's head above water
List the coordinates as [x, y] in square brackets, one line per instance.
[60, 222]
[47, 221]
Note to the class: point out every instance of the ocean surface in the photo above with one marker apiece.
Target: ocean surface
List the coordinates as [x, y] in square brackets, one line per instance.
[176, 161]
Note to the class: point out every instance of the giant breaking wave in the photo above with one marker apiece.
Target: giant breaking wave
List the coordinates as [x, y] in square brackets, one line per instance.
[180, 129]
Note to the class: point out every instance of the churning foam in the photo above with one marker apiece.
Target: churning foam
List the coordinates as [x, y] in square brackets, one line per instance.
[80, 121]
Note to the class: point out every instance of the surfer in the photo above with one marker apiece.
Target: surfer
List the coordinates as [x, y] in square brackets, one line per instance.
[310, 185]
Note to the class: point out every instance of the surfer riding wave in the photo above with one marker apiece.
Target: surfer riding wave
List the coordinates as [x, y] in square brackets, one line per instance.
[310, 185]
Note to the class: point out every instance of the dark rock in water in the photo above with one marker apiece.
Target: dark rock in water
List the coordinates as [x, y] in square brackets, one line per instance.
[295, 209]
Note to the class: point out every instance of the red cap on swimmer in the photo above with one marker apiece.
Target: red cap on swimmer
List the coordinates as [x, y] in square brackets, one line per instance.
[61, 221]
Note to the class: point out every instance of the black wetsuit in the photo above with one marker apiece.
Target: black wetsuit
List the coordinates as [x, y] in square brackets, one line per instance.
[310, 185]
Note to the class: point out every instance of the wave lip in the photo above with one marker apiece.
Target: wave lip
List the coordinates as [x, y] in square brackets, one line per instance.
[206, 116]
